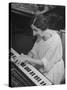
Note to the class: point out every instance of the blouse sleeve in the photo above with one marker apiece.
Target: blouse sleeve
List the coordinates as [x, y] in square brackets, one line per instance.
[53, 54]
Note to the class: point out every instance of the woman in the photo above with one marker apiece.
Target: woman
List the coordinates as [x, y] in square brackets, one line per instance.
[46, 53]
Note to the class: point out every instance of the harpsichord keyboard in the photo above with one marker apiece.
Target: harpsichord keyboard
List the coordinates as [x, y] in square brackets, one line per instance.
[31, 72]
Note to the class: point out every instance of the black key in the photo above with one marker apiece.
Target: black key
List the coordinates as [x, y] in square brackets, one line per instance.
[23, 64]
[37, 78]
[16, 61]
[43, 83]
[27, 69]
[32, 73]
[11, 54]
[14, 57]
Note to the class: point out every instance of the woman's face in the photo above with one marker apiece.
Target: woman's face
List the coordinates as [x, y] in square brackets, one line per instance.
[36, 31]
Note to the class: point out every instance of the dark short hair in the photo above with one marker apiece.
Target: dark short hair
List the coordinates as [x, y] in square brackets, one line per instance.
[40, 23]
[50, 20]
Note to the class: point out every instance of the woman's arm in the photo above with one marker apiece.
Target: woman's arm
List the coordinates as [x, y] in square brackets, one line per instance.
[33, 61]
[31, 54]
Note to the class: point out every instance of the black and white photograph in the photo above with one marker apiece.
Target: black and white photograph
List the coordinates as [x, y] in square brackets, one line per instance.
[36, 44]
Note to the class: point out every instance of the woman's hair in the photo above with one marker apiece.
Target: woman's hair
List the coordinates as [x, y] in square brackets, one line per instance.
[50, 20]
[40, 23]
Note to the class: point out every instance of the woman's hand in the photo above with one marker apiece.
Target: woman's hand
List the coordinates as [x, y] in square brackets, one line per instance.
[30, 54]
[27, 58]
[24, 57]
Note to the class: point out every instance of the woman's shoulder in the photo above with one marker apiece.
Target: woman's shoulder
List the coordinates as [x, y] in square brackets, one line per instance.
[52, 33]
[52, 37]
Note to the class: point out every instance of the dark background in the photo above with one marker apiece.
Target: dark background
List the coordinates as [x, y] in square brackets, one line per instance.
[21, 33]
